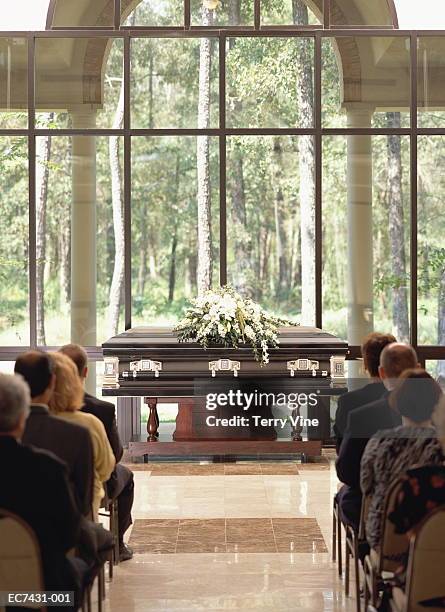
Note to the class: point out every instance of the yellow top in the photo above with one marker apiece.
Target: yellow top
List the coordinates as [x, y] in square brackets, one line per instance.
[104, 461]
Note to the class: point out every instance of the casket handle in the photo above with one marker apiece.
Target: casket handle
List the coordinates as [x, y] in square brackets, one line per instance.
[224, 365]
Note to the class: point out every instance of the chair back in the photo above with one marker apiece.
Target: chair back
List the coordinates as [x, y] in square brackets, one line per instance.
[20, 561]
[394, 547]
[426, 566]
[364, 511]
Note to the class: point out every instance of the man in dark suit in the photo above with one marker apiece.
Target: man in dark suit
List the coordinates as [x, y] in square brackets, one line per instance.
[364, 422]
[372, 347]
[35, 487]
[121, 482]
[69, 442]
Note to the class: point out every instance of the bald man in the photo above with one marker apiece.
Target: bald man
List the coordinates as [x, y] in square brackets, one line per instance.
[364, 422]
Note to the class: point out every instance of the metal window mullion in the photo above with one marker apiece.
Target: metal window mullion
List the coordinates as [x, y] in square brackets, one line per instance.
[32, 252]
[117, 14]
[222, 163]
[187, 14]
[326, 14]
[413, 180]
[127, 184]
[318, 188]
[257, 14]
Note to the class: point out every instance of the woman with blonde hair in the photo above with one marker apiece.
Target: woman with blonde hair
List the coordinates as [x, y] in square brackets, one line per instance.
[66, 403]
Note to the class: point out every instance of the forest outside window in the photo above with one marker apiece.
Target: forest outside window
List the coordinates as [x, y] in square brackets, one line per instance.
[175, 224]
[174, 83]
[366, 203]
[270, 82]
[217, 193]
[271, 221]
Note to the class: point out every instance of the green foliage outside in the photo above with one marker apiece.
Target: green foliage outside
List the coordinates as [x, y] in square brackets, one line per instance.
[261, 92]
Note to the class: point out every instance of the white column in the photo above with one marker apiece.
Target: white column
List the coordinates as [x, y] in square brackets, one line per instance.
[360, 251]
[83, 238]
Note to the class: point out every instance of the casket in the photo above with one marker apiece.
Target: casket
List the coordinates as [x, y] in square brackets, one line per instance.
[150, 361]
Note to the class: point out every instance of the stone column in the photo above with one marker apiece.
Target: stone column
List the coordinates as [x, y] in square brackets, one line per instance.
[360, 235]
[83, 238]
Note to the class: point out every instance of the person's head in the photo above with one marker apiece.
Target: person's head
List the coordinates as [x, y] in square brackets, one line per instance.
[372, 347]
[78, 355]
[68, 392]
[14, 405]
[415, 396]
[395, 359]
[37, 369]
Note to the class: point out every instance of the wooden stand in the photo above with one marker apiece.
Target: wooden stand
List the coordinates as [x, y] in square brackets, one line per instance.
[153, 418]
[186, 442]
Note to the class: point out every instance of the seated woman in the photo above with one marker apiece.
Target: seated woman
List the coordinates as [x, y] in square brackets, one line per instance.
[423, 488]
[389, 453]
[66, 403]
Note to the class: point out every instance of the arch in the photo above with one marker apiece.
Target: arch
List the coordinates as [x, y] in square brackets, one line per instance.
[128, 5]
[353, 53]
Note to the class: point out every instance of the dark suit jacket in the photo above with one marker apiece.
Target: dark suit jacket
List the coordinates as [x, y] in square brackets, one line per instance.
[34, 485]
[363, 423]
[352, 400]
[105, 412]
[69, 442]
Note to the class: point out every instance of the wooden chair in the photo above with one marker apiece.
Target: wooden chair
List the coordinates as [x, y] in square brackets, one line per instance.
[336, 535]
[109, 509]
[381, 564]
[352, 541]
[425, 572]
[20, 560]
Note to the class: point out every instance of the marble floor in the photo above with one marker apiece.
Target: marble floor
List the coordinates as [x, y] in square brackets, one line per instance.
[236, 537]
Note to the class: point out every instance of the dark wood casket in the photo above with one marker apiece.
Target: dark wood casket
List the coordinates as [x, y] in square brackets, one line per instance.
[150, 362]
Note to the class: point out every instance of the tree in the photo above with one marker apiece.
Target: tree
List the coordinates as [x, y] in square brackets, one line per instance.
[396, 231]
[305, 97]
[117, 283]
[242, 244]
[203, 162]
[43, 155]
[280, 234]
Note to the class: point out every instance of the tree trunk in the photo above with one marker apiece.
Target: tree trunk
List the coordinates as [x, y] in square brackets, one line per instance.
[117, 282]
[396, 231]
[172, 274]
[306, 156]
[242, 236]
[203, 163]
[280, 234]
[142, 274]
[65, 259]
[43, 155]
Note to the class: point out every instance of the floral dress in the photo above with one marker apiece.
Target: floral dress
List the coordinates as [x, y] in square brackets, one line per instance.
[388, 455]
[422, 491]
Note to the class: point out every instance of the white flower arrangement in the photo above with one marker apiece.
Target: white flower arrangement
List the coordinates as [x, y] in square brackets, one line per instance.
[223, 317]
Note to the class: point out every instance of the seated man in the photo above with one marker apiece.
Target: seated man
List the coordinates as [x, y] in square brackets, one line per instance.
[372, 348]
[69, 442]
[363, 423]
[34, 485]
[121, 483]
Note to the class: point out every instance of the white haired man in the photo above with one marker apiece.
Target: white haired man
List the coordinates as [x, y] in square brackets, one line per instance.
[34, 486]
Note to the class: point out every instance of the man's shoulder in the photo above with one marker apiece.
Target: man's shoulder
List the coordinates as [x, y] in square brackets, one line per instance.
[98, 407]
[57, 425]
[368, 415]
[41, 459]
[363, 396]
